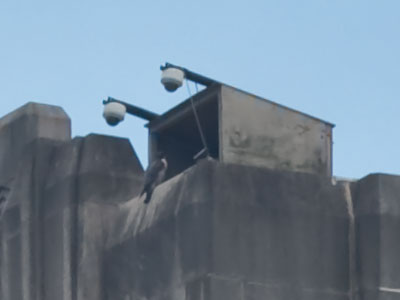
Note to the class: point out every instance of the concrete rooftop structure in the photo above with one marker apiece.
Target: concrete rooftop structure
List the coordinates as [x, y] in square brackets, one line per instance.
[263, 219]
[242, 128]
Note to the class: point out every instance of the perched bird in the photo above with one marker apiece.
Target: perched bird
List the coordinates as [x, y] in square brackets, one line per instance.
[154, 175]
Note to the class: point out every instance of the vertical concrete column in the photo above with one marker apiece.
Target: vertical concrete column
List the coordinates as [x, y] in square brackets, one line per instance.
[89, 178]
[22, 132]
[26, 124]
[377, 209]
[109, 174]
[59, 210]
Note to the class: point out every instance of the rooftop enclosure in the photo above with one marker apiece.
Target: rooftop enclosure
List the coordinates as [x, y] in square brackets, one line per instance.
[244, 129]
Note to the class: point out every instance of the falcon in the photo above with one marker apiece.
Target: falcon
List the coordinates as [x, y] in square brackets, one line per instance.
[154, 175]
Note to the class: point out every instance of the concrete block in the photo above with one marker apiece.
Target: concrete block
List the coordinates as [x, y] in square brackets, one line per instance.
[22, 221]
[27, 123]
[109, 169]
[234, 224]
[162, 243]
[272, 226]
[63, 196]
[222, 287]
[90, 177]
[377, 209]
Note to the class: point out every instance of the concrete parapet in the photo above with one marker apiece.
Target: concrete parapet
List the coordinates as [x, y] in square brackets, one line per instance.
[24, 125]
[377, 210]
[90, 177]
[234, 232]
[63, 195]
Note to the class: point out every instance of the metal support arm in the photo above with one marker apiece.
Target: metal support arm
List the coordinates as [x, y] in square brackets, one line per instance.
[191, 75]
[134, 110]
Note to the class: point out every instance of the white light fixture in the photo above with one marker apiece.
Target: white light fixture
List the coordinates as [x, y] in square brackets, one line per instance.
[172, 78]
[114, 113]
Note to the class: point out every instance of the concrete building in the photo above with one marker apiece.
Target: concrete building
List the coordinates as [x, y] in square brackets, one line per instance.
[262, 219]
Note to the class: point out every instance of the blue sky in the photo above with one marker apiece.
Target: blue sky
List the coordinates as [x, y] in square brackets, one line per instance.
[337, 60]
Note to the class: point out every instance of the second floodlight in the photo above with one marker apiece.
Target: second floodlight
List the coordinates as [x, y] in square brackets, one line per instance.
[172, 77]
[114, 113]
[115, 110]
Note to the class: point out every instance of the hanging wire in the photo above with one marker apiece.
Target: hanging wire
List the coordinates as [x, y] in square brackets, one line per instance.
[202, 136]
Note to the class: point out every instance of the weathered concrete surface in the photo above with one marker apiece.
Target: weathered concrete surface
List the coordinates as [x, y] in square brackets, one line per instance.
[20, 223]
[377, 210]
[257, 132]
[234, 232]
[24, 125]
[63, 196]
[72, 228]
[27, 137]
[90, 177]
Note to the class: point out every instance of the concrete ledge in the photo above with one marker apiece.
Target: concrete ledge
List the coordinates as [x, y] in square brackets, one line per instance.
[233, 226]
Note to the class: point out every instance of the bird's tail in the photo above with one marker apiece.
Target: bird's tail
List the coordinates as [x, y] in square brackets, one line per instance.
[148, 197]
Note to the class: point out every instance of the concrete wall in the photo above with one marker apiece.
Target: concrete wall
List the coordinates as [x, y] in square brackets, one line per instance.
[237, 232]
[254, 131]
[377, 211]
[24, 125]
[72, 228]
[63, 195]
[234, 232]
[27, 136]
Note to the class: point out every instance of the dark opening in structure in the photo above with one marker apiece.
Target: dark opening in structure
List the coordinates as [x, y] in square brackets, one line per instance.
[176, 133]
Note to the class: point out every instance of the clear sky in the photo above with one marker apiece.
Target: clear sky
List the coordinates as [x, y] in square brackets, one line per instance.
[337, 60]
